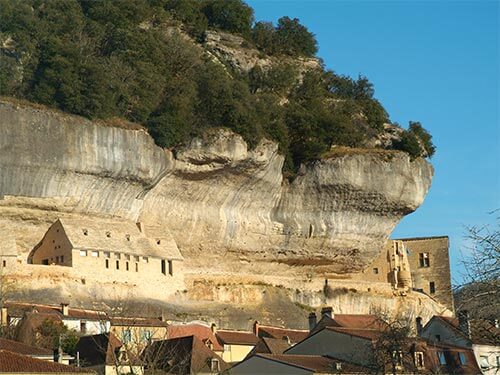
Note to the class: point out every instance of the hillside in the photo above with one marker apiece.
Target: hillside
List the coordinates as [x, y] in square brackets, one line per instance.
[182, 66]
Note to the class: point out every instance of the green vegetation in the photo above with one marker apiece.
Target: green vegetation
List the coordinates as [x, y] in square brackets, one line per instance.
[127, 59]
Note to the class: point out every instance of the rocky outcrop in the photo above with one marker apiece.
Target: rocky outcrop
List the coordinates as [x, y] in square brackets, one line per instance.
[228, 208]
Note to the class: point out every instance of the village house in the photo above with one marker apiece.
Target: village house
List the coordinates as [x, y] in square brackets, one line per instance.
[110, 251]
[236, 344]
[204, 332]
[183, 356]
[28, 350]
[105, 354]
[482, 336]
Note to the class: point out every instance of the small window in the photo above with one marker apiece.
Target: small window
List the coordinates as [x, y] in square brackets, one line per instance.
[145, 259]
[463, 360]
[85, 232]
[62, 258]
[137, 267]
[107, 263]
[214, 365]
[338, 366]
[118, 256]
[4, 263]
[146, 335]
[108, 234]
[136, 258]
[398, 358]
[483, 362]
[107, 254]
[45, 262]
[432, 287]
[227, 348]
[127, 236]
[424, 260]
[375, 271]
[95, 254]
[158, 242]
[83, 326]
[126, 266]
[126, 336]
[163, 267]
[83, 253]
[419, 359]
[438, 337]
[170, 268]
[127, 257]
[442, 358]
[117, 264]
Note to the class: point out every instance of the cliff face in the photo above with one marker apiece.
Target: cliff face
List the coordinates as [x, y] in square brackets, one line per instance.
[215, 196]
[233, 216]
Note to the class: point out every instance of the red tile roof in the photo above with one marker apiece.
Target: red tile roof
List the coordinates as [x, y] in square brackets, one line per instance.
[369, 334]
[237, 337]
[362, 321]
[21, 348]
[200, 331]
[137, 322]
[13, 363]
[295, 335]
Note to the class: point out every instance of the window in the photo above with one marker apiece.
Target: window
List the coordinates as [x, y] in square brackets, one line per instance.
[214, 365]
[227, 348]
[483, 362]
[126, 336]
[136, 258]
[85, 232]
[432, 287]
[158, 242]
[163, 267]
[338, 366]
[461, 356]
[127, 257]
[83, 326]
[137, 267]
[4, 263]
[83, 253]
[45, 262]
[126, 266]
[442, 358]
[118, 256]
[127, 236]
[424, 260]
[62, 258]
[107, 263]
[419, 359]
[398, 358]
[375, 271]
[438, 337]
[170, 268]
[117, 264]
[145, 259]
[108, 234]
[95, 254]
[107, 254]
[146, 335]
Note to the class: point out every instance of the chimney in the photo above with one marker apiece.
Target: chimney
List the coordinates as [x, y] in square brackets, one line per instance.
[464, 323]
[418, 322]
[65, 309]
[312, 321]
[4, 317]
[256, 328]
[141, 227]
[327, 311]
[213, 327]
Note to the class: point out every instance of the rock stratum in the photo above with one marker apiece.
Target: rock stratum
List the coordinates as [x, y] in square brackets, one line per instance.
[229, 209]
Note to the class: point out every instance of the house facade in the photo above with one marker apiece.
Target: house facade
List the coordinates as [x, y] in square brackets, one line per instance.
[119, 251]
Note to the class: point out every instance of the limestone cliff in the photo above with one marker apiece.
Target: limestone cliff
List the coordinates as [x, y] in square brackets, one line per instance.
[229, 209]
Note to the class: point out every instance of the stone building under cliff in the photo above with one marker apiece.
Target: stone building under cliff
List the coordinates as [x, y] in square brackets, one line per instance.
[419, 264]
[109, 251]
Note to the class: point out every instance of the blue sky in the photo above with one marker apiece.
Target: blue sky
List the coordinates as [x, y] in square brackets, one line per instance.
[436, 62]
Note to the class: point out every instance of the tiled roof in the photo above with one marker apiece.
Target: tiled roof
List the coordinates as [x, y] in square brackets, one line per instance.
[98, 349]
[137, 322]
[362, 321]
[315, 363]
[21, 348]
[295, 335]
[19, 308]
[17, 363]
[369, 334]
[184, 355]
[236, 337]
[453, 363]
[201, 331]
